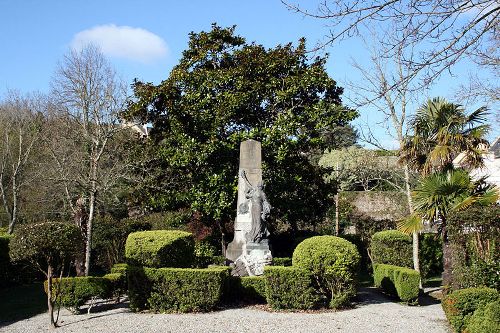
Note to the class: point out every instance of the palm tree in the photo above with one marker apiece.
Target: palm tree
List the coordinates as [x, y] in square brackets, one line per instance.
[441, 193]
[441, 131]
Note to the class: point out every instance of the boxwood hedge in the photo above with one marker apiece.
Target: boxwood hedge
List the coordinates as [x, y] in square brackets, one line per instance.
[160, 248]
[176, 289]
[333, 262]
[392, 247]
[397, 281]
[459, 306]
[290, 288]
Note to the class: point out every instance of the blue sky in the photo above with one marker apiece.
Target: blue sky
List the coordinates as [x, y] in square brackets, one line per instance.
[35, 35]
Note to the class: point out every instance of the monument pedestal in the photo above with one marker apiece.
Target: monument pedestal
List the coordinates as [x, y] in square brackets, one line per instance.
[249, 258]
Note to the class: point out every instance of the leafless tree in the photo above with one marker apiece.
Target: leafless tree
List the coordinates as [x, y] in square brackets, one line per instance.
[91, 95]
[379, 91]
[21, 122]
[442, 31]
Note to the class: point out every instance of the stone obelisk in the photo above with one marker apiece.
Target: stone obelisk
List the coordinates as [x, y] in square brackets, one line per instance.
[249, 176]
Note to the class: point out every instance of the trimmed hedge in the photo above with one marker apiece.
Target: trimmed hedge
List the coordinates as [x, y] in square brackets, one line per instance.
[176, 289]
[160, 248]
[392, 247]
[486, 319]
[290, 288]
[333, 261]
[120, 268]
[74, 292]
[397, 281]
[459, 306]
[254, 288]
[282, 261]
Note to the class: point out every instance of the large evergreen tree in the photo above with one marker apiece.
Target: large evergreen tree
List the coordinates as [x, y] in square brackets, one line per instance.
[223, 91]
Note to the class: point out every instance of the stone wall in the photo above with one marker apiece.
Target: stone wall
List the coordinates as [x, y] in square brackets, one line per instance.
[378, 205]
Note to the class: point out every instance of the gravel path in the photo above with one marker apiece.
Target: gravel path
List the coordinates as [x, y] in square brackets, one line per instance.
[372, 313]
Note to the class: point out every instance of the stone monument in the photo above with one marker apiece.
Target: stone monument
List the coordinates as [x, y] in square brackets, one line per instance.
[249, 251]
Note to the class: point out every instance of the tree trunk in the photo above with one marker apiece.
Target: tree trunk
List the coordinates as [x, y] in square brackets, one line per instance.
[447, 264]
[13, 219]
[80, 218]
[50, 303]
[88, 247]
[337, 224]
[416, 260]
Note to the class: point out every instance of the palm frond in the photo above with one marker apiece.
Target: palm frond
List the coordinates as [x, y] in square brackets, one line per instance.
[411, 224]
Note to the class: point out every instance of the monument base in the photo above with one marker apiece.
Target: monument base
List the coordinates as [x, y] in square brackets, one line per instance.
[252, 261]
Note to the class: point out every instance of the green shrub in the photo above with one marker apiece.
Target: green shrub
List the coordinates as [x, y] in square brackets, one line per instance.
[333, 262]
[5, 264]
[176, 289]
[459, 306]
[486, 319]
[170, 220]
[392, 247]
[74, 292]
[290, 288]
[119, 268]
[282, 261]
[397, 281]
[474, 234]
[252, 289]
[118, 284]
[430, 255]
[160, 248]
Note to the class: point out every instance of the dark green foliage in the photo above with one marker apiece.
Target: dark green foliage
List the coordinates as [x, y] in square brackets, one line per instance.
[74, 292]
[109, 236]
[5, 265]
[282, 261]
[290, 288]
[365, 228]
[160, 248]
[176, 289]
[211, 102]
[169, 220]
[460, 305]
[119, 268]
[392, 247]
[475, 238]
[486, 319]
[397, 281]
[251, 289]
[117, 283]
[333, 262]
[118, 277]
[46, 244]
[430, 255]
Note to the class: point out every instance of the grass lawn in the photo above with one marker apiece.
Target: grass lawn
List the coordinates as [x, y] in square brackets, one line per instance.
[22, 302]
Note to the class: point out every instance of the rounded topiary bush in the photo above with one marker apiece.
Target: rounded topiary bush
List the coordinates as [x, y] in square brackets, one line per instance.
[333, 261]
[459, 306]
[160, 248]
[485, 319]
[392, 247]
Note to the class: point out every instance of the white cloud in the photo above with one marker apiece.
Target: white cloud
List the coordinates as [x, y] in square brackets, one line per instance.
[123, 42]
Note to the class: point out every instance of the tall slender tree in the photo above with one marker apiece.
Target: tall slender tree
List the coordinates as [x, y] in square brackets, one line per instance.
[91, 95]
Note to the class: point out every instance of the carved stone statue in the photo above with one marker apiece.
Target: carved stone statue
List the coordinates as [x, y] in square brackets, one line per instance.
[250, 250]
[260, 209]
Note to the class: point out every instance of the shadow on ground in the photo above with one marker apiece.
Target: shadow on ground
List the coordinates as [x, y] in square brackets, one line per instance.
[372, 295]
[21, 302]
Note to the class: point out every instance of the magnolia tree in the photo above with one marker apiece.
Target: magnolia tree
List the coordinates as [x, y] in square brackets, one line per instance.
[49, 246]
